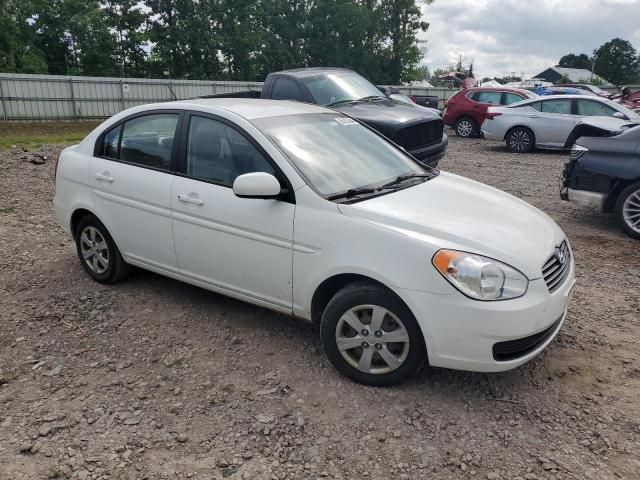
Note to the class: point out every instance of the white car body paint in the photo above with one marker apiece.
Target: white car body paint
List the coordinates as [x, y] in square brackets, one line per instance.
[275, 254]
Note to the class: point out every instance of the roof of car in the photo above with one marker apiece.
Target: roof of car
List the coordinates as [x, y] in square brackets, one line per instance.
[314, 71]
[253, 108]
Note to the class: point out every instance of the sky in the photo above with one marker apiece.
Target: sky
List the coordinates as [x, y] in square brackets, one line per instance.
[506, 36]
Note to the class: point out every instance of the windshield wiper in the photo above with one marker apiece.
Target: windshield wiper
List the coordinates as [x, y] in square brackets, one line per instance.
[403, 178]
[371, 97]
[340, 102]
[352, 192]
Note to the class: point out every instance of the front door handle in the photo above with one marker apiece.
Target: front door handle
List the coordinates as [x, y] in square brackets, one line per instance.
[104, 177]
[188, 199]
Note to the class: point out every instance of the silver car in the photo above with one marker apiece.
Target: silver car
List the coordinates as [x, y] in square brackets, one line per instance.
[547, 122]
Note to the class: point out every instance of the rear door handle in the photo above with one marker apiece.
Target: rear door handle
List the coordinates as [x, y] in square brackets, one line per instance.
[535, 116]
[104, 177]
[188, 199]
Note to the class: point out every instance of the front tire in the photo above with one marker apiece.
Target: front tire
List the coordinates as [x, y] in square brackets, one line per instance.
[371, 336]
[98, 253]
[628, 210]
[466, 127]
[520, 140]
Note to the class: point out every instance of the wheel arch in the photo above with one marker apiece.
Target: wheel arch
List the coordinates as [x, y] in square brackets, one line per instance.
[612, 198]
[327, 289]
[511, 129]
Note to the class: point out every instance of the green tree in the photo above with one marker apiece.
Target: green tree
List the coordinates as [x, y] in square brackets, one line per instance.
[127, 20]
[618, 62]
[572, 60]
[18, 52]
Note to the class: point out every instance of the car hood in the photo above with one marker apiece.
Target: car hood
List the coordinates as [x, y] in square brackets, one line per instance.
[454, 212]
[387, 115]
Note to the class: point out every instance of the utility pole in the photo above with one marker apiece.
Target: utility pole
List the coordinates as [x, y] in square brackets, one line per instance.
[593, 64]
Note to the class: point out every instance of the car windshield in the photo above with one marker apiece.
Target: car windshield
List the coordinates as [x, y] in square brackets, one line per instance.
[339, 87]
[335, 154]
[595, 89]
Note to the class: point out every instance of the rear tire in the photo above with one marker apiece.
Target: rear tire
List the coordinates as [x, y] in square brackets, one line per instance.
[466, 127]
[628, 210]
[371, 336]
[520, 140]
[98, 253]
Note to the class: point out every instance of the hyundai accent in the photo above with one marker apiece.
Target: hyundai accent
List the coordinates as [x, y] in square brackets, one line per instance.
[305, 211]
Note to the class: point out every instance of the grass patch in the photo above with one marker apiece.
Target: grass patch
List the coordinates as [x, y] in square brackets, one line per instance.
[7, 210]
[31, 136]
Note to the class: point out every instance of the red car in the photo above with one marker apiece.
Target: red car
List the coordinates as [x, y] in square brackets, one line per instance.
[467, 109]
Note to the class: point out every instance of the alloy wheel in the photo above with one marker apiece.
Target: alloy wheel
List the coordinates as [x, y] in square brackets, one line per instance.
[520, 140]
[372, 339]
[94, 249]
[465, 128]
[631, 211]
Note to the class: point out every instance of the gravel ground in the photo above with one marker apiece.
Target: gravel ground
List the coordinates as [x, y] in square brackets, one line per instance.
[155, 379]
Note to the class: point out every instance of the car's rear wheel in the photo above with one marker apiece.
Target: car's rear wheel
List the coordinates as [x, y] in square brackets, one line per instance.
[98, 252]
[520, 140]
[466, 127]
[628, 210]
[371, 336]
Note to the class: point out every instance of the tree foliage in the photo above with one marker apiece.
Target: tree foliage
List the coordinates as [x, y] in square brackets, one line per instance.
[615, 61]
[618, 62]
[575, 61]
[211, 39]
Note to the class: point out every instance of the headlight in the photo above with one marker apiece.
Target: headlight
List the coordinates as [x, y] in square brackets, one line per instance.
[479, 277]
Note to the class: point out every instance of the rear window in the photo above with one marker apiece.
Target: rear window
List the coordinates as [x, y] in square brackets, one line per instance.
[146, 141]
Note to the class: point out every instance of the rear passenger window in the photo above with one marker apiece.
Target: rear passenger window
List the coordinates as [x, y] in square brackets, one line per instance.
[492, 98]
[218, 153]
[510, 98]
[148, 140]
[109, 147]
[559, 106]
[286, 89]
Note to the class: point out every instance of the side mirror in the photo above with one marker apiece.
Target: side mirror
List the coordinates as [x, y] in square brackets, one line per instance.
[256, 185]
[620, 115]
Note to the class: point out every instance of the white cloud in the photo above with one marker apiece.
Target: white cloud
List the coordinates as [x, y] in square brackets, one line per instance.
[505, 36]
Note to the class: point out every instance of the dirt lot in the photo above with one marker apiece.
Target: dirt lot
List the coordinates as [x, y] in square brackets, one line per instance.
[154, 379]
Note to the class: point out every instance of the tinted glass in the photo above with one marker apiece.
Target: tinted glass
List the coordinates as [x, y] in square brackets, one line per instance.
[488, 97]
[286, 89]
[340, 86]
[148, 140]
[559, 106]
[218, 153]
[591, 108]
[110, 141]
[335, 153]
[510, 98]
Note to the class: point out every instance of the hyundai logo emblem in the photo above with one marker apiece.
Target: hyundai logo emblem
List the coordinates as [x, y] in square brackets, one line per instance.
[561, 254]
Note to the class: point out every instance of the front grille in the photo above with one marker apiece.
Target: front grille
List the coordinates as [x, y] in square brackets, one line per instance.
[513, 349]
[421, 135]
[556, 269]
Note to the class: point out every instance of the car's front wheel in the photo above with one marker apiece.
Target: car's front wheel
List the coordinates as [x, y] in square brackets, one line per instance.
[371, 336]
[466, 127]
[628, 210]
[98, 252]
[520, 140]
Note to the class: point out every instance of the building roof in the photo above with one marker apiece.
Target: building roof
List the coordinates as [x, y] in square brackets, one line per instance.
[575, 75]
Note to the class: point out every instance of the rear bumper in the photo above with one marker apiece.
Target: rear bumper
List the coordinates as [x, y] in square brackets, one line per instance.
[592, 200]
[432, 154]
[489, 135]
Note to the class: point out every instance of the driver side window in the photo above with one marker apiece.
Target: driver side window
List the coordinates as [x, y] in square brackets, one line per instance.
[218, 153]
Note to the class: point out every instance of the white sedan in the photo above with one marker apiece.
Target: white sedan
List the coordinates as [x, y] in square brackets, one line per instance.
[305, 211]
[547, 122]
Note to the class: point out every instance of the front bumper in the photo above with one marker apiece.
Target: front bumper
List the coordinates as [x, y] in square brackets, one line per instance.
[432, 154]
[461, 333]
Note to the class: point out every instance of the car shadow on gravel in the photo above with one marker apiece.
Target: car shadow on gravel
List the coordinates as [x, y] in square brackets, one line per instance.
[445, 384]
